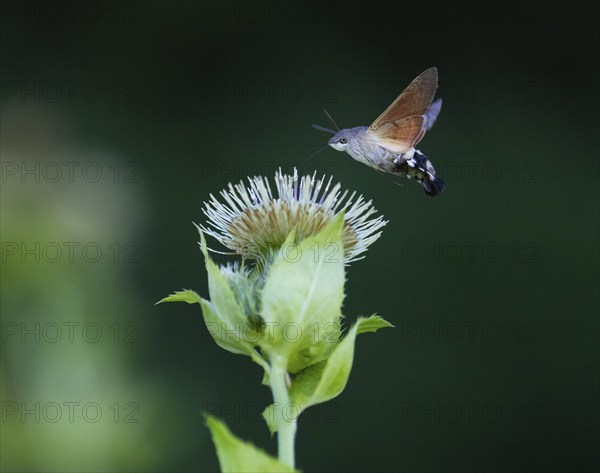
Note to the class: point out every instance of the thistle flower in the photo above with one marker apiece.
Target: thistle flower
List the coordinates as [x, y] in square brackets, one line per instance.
[255, 223]
[284, 313]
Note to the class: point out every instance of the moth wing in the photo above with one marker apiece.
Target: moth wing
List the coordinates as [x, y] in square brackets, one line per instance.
[432, 113]
[401, 135]
[414, 100]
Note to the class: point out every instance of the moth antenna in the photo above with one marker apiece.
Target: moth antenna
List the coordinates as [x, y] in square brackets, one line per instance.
[331, 119]
[313, 155]
[322, 128]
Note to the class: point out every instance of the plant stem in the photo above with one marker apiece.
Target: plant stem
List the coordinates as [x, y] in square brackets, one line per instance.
[285, 419]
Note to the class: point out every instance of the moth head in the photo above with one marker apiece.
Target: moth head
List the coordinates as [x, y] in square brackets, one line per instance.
[339, 141]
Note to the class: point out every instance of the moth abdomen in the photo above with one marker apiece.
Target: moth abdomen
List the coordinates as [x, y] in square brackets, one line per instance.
[419, 167]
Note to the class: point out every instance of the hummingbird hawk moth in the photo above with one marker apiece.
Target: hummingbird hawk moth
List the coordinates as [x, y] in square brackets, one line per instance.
[389, 144]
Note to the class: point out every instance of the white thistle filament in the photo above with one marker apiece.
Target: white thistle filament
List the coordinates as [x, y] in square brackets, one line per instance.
[254, 223]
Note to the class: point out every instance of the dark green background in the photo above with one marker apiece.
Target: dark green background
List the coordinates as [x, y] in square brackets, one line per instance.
[496, 349]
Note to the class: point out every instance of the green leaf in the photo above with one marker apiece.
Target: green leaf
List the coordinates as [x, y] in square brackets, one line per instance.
[223, 315]
[303, 294]
[221, 294]
[202, 241]
[236, 455]
[269, 416]
[324, 381]
[334, 373]
[223, 298]
[372, 324]
[218, 330]
[187, 295]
